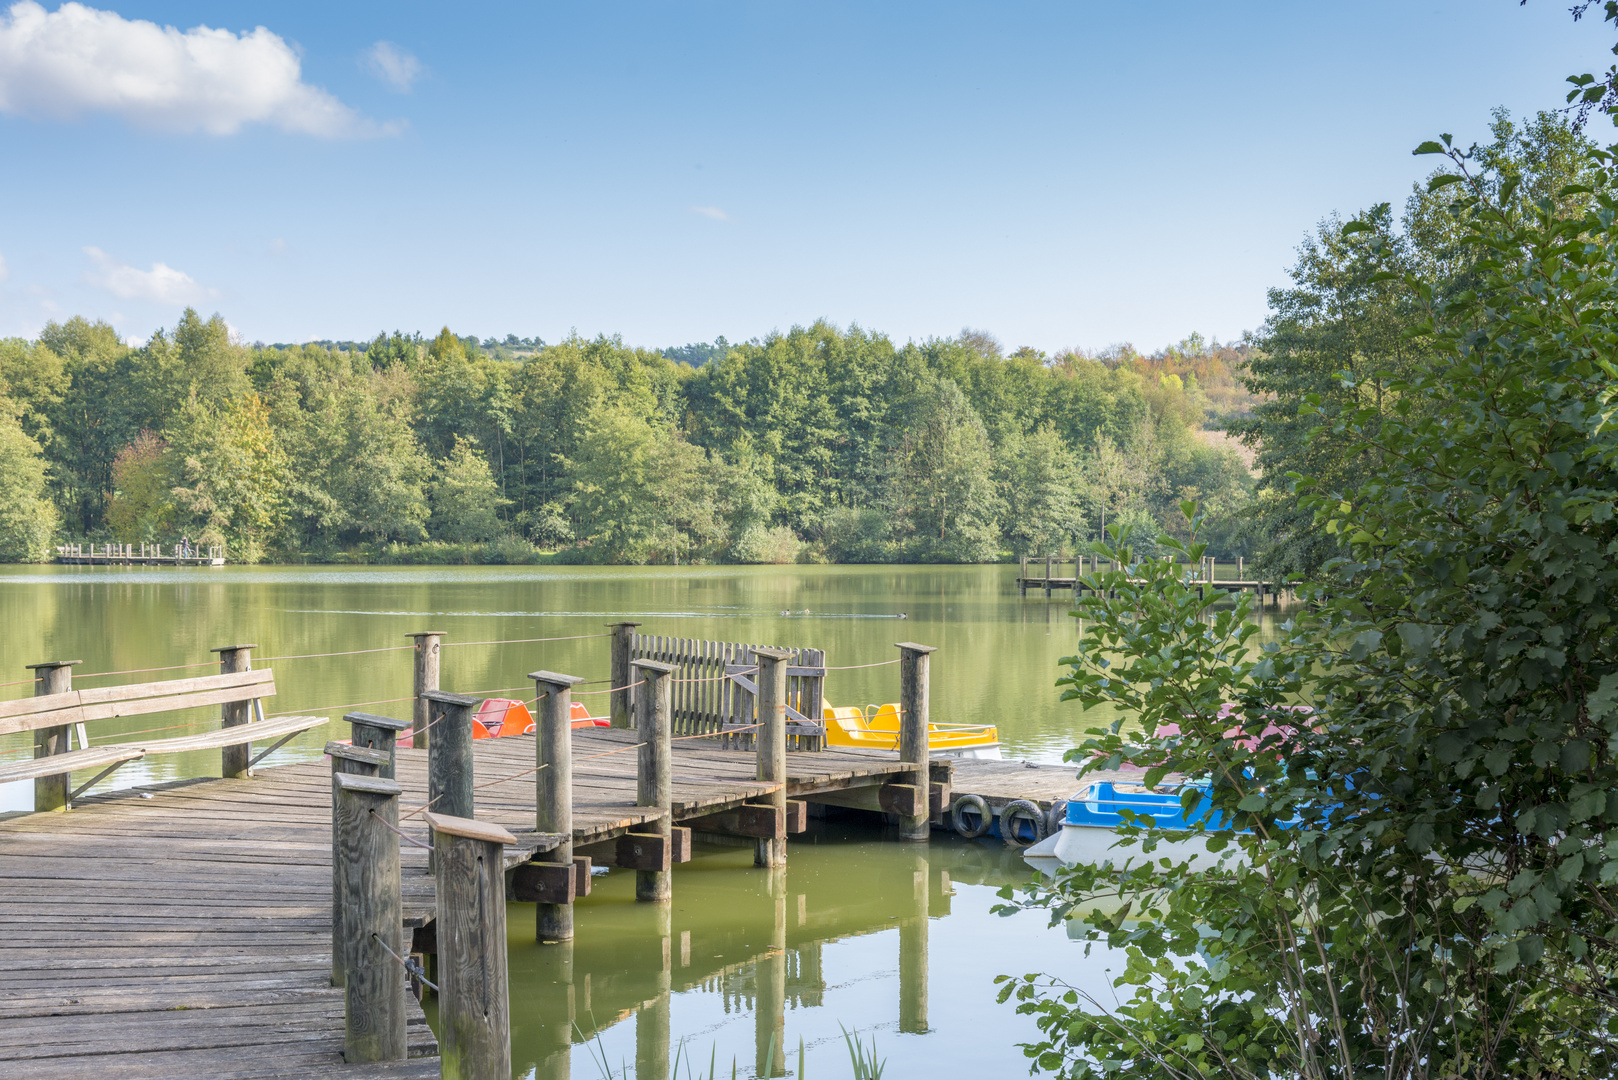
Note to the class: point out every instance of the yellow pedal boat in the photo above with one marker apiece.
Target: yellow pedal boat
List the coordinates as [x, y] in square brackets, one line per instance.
[876, 727]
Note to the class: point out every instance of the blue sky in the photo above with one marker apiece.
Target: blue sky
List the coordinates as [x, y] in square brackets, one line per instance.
[1060, 174]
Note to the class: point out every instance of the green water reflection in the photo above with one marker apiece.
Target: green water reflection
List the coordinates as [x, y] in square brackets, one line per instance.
[896, 940]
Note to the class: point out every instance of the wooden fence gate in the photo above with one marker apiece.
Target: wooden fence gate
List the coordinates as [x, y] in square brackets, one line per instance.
[713, 691]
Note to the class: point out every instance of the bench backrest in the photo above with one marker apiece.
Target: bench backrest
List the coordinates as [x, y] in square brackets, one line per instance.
[136, 699]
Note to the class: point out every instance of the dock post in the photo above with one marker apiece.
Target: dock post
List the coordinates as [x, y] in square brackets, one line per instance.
[428, 644]
[622, 696]
[654, 785]
[380, 733]
[1022, 575]
[345, 761]
[913, 953]
[374, 987]
[449, 757]
[52, 677]
[474, 1001]
[772, 745]
[914, 661]
[553, 792]
[1047, 577]
[233, 759]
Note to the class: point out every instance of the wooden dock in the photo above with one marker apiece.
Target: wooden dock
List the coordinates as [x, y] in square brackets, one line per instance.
[1085, 577]
[137, 555]
[185, 929]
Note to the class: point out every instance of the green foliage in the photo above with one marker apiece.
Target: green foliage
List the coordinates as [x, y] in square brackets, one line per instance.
[941, 492]
[229, 476]
[465, 498]
[1040, 485]
[1443, 904]
[27, 519]
[820, 443]
[141, 508]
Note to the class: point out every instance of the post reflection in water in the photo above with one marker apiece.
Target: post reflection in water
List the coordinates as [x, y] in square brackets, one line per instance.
[744, 960]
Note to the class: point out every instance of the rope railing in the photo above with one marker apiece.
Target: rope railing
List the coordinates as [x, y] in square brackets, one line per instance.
[415, 970]
[400, 833]
[520, 641]
[349, 652]
[318, 656]
[609, 753]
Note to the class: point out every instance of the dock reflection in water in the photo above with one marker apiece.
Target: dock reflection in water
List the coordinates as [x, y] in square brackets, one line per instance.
[891, 939]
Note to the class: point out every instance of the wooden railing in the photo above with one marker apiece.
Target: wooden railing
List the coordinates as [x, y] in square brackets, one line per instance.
[711, 696]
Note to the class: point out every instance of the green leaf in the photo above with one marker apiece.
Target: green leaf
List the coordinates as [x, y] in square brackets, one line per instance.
[1443, 180]
[1429, 147]
[1357, 227]
[1253, 803]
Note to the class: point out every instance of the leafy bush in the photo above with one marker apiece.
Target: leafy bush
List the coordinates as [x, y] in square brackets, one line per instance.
[1442, 903]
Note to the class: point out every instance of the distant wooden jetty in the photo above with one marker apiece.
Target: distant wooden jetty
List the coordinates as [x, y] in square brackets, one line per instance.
[269, 925]
[1083, 577]
[137, 555]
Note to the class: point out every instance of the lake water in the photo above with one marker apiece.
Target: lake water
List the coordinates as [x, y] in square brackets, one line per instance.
[741, 952]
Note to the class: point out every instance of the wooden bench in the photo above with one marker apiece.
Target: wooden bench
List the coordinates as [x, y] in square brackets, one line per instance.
[58, 710]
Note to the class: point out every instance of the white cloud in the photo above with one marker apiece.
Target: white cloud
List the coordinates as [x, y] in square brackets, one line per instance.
[711, 212]
[78, 59]
[161, 284]
[393, 65]
[5, 271]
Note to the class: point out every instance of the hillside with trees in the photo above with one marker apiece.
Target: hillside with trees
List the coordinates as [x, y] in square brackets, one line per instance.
[818, 444]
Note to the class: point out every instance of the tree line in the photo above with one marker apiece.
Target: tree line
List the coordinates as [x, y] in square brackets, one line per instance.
[821, 443]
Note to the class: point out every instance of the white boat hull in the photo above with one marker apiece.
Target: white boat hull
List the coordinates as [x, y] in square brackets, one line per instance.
[1074, 844]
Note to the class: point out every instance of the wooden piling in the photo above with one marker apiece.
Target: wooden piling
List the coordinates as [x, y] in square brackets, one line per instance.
[428, 645]
[772, 745]
[449, 756]
[365, 815]
[52, 677]
[623, 638]
[380, 733]
[345, 761]
[474, 1007]
[233, 760]
[654, 784]
[914, 662]
[553, 791]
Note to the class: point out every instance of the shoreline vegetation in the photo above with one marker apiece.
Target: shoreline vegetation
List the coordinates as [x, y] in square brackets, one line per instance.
[818, 445]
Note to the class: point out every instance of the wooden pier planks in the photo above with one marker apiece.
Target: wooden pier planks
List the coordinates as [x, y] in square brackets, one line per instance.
[184, 930]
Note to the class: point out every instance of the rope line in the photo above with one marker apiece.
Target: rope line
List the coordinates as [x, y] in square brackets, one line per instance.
[143, 670]
[400, 833]
[519, 641]
[317, 655]
[409, 963]
[855, 667]
[350, 705]
[609, 753]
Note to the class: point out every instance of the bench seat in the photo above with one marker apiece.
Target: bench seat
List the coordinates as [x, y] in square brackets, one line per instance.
[113, 754]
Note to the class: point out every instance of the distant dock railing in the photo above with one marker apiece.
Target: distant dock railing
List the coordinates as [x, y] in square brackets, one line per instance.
[1087, 568]
[139, 555]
